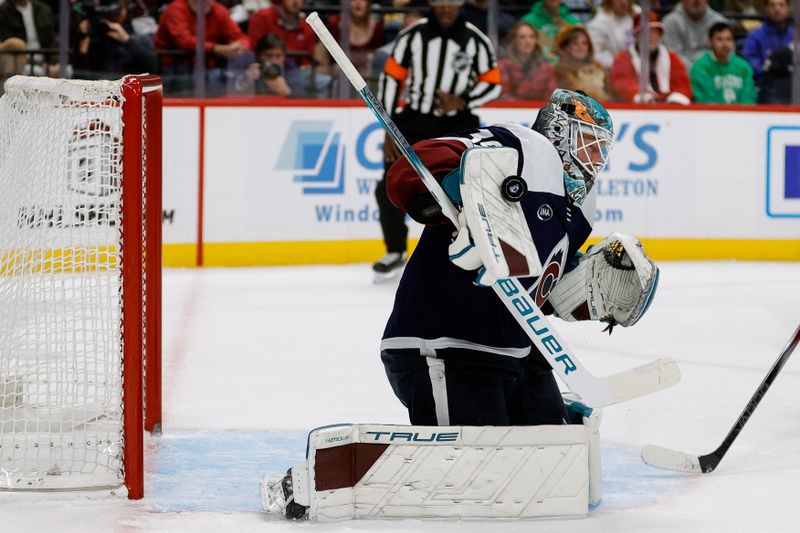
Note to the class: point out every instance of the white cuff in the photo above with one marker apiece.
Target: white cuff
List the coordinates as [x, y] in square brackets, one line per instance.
[678, 98]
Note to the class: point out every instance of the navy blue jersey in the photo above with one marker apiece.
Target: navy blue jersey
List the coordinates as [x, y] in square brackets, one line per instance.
[437, 305]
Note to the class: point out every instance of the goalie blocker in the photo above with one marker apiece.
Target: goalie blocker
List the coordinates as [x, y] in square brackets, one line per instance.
[461, 472]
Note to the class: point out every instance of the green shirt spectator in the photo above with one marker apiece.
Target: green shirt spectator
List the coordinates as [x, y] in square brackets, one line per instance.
[549, 17]
[720, 76]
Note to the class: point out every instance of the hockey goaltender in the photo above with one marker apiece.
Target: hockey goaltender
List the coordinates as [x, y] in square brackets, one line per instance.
[491, 436]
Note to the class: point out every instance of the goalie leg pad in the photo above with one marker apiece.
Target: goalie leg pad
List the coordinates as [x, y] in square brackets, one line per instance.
[376, 471]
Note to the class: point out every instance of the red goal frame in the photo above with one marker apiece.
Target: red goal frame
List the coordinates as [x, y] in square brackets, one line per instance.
[141, 271]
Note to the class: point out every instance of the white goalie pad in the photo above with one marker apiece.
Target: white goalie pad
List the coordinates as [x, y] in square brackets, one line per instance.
[497, 226]
[460, 472]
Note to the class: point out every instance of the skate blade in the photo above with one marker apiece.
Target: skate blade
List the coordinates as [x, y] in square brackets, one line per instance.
[379, 278]
[273, 499]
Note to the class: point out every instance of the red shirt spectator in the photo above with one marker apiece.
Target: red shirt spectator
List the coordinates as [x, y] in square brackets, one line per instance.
[376, 40]
[524, 71]
[285, 21]
[366, 34]
[669, 81]
[176, 30]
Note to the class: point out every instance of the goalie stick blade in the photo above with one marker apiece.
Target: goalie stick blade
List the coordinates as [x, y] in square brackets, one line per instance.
[676, 461]
[628, 385]
[644, 380]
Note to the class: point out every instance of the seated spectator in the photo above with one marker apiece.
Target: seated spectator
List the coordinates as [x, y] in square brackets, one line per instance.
[768, 51]
[27, 24]
[611, 29]
[577, 69]
[285, 20]
[104, 43]
[274, 74]
[226, 47]
[686, 29]
[524, 71]
[720, 76]
[176, 31]
[549, 17]
[669, 81]
[477, 12]
[366, 36]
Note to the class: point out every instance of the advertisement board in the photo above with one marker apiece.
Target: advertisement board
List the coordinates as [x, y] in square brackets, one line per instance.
[296, 184]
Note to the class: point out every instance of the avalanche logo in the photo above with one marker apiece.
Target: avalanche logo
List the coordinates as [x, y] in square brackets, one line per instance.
[314, 153]
[550, 275]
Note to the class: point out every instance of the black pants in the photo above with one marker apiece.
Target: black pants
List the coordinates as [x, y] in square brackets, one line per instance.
[415, 127]
[469, 388]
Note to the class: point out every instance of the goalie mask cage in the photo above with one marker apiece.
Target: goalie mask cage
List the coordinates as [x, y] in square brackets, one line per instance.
[80, 275]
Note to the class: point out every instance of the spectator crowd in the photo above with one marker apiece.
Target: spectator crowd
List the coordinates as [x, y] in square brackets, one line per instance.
[705, 51]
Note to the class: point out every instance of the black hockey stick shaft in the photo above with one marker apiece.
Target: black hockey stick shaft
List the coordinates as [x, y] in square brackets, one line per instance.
[709, 462]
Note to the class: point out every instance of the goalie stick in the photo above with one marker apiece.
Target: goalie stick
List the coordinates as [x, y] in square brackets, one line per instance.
[683, 462]
[594, 391]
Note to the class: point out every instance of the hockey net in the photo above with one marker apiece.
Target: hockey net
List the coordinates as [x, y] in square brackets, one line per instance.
[80, 219]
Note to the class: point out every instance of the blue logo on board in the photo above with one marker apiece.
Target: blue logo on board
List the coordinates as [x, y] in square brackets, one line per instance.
[315, 154]
[783, 171]
[791, 173]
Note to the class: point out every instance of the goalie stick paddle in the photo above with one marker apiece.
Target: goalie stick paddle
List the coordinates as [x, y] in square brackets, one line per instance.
[594, 391]
[683, 462]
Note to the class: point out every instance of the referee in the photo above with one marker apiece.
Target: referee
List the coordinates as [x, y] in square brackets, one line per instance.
[447, 67]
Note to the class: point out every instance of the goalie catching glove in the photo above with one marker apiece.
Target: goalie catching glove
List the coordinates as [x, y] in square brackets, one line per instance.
[494, 237]
[614, 282]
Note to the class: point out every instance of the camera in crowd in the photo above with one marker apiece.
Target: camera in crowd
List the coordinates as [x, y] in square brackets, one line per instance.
[97, 15]
[271, 70]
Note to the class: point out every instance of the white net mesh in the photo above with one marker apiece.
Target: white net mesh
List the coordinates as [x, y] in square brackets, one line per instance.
[60, 288]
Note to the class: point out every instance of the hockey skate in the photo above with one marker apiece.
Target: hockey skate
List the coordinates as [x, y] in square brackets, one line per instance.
[388, 267]
[277, 496]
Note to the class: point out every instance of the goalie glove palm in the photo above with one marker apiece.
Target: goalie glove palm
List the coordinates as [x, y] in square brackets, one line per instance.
[614, 282]
[622, 280]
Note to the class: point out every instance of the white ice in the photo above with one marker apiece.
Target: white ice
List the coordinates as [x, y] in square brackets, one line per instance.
[254, 358]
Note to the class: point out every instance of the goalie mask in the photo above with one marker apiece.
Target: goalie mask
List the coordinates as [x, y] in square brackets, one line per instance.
[582, 133]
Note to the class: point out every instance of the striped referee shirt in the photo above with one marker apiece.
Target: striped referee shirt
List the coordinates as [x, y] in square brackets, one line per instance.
[458, 60]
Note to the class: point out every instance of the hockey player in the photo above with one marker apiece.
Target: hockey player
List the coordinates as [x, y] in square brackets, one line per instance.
[452, 352]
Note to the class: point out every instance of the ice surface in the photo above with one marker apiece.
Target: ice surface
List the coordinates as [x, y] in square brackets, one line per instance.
[254, 358]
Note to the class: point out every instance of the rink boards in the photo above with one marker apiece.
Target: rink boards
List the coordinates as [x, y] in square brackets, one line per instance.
[260, 182]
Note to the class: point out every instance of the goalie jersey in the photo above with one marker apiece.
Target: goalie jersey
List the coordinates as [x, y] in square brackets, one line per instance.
[437, 305]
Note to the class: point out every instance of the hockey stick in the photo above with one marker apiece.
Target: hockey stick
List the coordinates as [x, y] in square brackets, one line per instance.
[683, 462]
[594, 391]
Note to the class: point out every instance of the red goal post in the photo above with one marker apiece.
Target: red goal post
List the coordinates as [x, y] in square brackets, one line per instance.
[80, 282]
